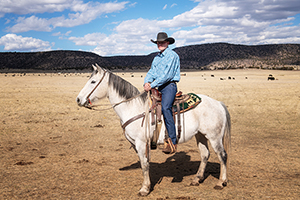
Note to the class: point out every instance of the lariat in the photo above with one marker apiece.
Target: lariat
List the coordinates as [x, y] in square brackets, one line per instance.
[147, 127]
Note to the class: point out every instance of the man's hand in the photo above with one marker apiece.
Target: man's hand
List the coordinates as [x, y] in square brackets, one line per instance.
[147, 87]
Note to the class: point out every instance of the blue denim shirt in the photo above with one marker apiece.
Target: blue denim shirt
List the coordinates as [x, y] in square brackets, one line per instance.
[165, 67]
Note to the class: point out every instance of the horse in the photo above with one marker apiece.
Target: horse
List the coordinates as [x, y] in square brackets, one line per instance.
[209, 121]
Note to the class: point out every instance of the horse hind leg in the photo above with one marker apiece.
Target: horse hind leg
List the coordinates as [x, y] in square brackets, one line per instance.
[222, 155]
[204, 152]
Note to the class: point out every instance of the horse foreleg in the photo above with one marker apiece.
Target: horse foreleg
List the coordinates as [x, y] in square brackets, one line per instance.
[141, 150]
[203, 147]
[222, 155]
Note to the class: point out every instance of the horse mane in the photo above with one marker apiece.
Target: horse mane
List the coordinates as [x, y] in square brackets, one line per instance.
[124, 88]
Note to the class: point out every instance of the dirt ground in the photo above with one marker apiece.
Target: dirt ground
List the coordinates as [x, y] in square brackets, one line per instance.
[52, 149]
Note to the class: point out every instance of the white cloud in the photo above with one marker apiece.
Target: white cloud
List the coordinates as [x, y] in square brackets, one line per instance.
[31, 23]
[129, 37]
[165, 7]
[91, 39]
[23, 7]
[118, 43]
[16, 42]
[234, 21]
[81, 13]
[61, 36]
[138, 27]
[210, 21]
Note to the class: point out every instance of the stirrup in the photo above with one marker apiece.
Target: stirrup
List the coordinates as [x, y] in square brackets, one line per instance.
[169, 147]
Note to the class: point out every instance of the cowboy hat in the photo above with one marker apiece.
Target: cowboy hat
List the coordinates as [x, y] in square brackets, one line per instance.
[162, 36]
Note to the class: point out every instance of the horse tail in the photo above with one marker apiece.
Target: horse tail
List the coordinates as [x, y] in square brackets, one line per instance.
[227, 134]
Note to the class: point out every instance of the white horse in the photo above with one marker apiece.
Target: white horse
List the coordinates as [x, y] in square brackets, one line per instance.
[210, 120]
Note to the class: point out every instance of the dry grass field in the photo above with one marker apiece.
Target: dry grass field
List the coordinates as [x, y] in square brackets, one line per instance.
[52, 149]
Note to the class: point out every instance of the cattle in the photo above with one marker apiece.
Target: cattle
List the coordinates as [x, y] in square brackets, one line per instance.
[271, 77]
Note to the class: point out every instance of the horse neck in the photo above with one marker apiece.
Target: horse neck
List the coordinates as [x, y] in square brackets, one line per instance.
[126, 109]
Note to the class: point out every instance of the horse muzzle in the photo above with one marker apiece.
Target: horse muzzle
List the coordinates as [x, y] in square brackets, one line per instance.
[85, 103]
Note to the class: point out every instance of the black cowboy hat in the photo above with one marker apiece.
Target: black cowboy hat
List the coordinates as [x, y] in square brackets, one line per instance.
[162, 36]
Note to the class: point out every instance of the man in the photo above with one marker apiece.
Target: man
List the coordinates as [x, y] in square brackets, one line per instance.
[164, 74]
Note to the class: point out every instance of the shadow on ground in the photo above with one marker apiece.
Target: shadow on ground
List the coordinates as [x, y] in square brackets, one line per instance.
[177, 166]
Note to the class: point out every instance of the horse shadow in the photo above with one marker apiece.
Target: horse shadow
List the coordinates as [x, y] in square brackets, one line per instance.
[177, 166]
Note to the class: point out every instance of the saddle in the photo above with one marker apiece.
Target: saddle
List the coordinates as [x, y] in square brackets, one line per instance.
[182, 103]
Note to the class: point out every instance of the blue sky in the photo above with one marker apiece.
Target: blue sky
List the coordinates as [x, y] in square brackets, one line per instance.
[126, 27]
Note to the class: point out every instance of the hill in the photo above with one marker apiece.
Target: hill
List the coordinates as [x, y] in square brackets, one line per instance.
[203, 57]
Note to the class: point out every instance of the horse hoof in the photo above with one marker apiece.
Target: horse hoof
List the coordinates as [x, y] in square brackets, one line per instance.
[217, 187]
[143, 193]
[194, 184]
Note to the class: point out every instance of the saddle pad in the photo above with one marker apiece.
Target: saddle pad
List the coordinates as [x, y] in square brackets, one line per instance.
[190, 103]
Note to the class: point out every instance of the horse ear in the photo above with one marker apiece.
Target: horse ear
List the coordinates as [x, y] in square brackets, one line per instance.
[98, 67]
[94, 67]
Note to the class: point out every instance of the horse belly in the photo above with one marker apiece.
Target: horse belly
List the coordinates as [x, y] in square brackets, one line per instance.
[189, 127]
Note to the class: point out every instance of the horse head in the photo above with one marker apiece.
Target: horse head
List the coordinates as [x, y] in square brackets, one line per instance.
[95, 88]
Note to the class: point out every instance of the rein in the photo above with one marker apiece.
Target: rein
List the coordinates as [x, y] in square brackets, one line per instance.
[114, 105]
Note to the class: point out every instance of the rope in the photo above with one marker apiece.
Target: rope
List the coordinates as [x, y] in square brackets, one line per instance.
[114, 105]
[147, 127]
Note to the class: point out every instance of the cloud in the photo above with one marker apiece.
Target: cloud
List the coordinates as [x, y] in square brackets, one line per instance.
[208, 22]
[234, 21]
[31, 23]
[243, 22]
[127, 39]
[22, 7]
[165, 7]
[61, 36]
[130, 37]
[80, 13]
[13, 42]
[91, 39]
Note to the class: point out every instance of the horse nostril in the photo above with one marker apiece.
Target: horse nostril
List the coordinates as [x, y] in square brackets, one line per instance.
[78, 100]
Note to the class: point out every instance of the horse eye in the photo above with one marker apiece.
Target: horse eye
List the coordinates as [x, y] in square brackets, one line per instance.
[93, 82]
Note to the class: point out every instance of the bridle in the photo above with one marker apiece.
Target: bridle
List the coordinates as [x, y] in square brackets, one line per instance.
[88, 96]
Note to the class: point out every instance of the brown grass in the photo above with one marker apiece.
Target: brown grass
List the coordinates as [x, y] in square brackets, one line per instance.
[52, 149]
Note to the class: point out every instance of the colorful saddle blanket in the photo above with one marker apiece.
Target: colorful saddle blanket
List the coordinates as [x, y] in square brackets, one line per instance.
[190, 101]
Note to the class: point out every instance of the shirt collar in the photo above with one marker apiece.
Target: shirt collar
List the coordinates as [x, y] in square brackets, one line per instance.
[164, 52]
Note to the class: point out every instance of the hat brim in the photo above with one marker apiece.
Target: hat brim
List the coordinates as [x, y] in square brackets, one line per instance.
[170, 40]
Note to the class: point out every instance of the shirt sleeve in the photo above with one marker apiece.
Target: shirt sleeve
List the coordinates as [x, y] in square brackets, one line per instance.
[150, 76]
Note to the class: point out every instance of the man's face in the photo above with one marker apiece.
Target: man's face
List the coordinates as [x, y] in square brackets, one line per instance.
[162, 45]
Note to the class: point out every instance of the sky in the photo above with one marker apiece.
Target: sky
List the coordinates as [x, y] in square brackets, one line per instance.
[111, 28]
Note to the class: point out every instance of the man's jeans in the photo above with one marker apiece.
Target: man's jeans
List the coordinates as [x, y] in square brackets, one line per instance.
[168, 92]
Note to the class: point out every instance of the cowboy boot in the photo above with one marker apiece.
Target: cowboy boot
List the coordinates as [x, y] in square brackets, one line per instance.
[169, 147]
